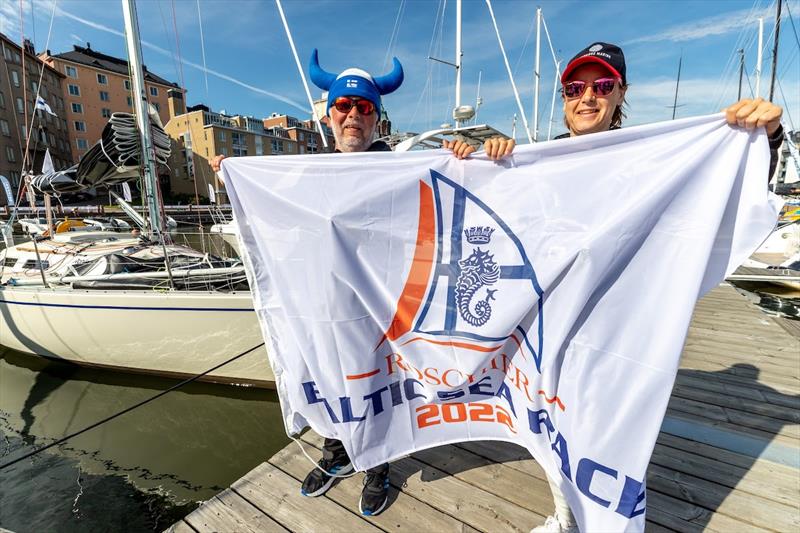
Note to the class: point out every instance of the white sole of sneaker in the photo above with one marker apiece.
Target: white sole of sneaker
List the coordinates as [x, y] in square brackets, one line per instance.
[324, 488]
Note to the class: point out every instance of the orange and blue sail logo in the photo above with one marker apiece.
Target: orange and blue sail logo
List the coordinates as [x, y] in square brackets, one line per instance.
[471, 284]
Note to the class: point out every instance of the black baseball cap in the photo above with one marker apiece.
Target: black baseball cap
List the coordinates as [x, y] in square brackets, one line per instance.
[608, 55]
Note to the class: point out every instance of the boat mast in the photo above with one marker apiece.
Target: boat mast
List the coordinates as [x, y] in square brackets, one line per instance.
[775, 50]
[760, 56]
[536, 76]
[677, 84]
[458, 62]
[148, 160]
[741, 72]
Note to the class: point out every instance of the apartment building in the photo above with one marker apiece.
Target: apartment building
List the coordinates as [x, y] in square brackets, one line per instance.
[18, 90]
[303, 132]
[97, 85]
[199, 134]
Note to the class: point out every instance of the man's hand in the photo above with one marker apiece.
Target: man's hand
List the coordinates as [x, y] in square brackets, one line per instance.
[756, 113]
[215, 162]
[496, 148]
[460, 148]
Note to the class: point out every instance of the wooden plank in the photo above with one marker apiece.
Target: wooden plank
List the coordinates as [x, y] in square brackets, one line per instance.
[680, 515]
[744, 374]
[772, 341]
[520, 488]
[763, 469]
[227, 511]
[742, 507]
[347, 492]
[691, 415]
[482, 510]
[759, 408]
[784, 491]
[277, 495]
[177, 527]
[792, 327]
[689, 367]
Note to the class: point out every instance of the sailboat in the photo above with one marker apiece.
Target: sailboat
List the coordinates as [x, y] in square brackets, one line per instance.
[137, 305]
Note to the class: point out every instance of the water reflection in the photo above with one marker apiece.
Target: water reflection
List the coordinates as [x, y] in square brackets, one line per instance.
[151, 465]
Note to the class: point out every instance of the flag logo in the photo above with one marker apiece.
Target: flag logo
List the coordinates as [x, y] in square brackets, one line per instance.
[470, 279]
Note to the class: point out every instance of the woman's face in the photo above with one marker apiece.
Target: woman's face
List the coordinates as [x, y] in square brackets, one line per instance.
[590, 112]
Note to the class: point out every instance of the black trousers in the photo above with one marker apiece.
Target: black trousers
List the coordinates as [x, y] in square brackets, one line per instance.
[334, 449]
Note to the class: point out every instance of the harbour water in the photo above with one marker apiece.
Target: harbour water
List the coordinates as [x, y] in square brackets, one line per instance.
[141, 471]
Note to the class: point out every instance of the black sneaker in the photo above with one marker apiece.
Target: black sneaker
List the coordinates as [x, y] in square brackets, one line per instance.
[319, 480]
[374, 494]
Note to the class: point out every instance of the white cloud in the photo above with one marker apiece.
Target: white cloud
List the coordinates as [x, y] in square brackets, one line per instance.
[710, 26]
[167, 53]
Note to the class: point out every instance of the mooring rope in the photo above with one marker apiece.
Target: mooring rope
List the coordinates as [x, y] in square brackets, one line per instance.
[126, 410]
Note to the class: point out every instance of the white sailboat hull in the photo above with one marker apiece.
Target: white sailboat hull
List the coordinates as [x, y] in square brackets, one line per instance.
[171, 333]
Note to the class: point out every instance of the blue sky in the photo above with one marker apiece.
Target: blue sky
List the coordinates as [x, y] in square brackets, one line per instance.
[250, 68]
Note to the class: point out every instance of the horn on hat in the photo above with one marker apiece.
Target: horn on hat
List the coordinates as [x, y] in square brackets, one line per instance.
[321, 79]
[391, 81]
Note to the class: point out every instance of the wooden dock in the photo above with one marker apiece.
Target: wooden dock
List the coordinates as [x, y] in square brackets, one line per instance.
[727, 458]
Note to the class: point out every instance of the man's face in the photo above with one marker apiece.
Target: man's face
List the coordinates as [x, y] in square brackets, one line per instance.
[353, 131]
[591, 112]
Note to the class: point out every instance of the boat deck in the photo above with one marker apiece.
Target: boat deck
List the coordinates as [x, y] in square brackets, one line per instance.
[727, 458]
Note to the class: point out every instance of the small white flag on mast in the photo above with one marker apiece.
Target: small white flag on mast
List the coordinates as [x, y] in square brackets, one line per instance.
[126, 192]
[41, 104]
[212, 196]
[47, 164]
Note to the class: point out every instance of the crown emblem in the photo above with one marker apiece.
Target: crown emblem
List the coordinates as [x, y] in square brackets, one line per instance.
[479, 234]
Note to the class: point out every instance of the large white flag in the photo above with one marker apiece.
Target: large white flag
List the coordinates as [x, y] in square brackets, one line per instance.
[412, 300]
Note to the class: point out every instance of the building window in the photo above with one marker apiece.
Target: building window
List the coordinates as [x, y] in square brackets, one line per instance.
[74, 90]
[302, 149]
[259, 145]
[104, 96]
[72, 72]
[277, 146]
[222, 136]
[15, 78]
[4, 128]
[80, 125]
[106, 112]
[2, 100]
[7, 54]
[10, 154]
[52, 140]
[82, 144]
[130, 102]
[35, 86]
[127, 85]
[158, 107]
[20, 105]
[153, 91]
[77, 108]
[101, 79]
[224, 151]
[302, 136]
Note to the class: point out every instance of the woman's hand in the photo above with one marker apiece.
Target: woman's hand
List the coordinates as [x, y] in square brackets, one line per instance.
[756, 113]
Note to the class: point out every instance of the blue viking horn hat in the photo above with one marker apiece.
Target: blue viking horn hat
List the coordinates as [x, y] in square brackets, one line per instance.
[355, 82]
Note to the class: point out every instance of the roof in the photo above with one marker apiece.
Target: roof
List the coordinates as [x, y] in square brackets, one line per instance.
[91, 58]
[18, 48]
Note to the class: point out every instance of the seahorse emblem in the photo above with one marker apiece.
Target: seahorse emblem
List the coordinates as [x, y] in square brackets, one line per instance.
[478, 270]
